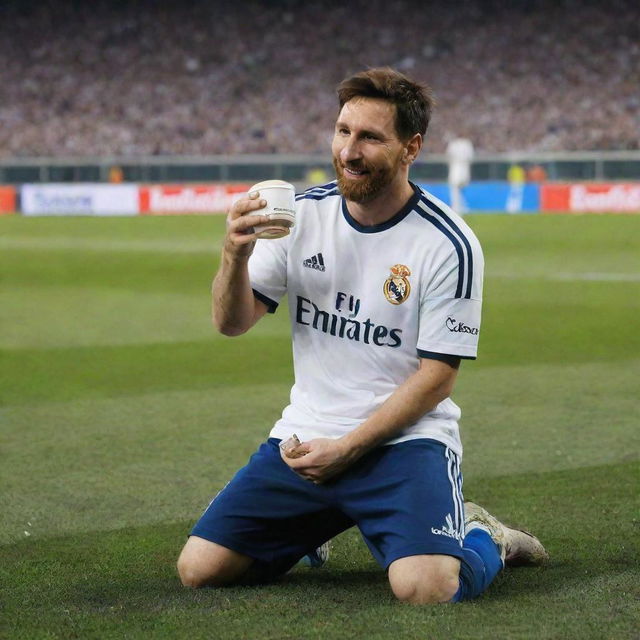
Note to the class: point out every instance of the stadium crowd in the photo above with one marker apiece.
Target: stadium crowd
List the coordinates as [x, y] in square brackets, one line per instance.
[196, 77]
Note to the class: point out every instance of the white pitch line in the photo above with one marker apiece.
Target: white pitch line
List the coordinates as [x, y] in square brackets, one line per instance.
[200, 246]
[569, 277]
[94, 244]
[600, 277]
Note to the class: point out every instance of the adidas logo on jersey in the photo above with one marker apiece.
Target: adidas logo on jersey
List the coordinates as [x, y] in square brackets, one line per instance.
[448, 530]
[315, 262]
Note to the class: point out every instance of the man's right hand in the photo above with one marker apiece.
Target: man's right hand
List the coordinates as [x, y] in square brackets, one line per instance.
[241, 220]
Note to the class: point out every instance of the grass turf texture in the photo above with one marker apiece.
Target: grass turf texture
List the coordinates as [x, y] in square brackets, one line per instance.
[122, 413]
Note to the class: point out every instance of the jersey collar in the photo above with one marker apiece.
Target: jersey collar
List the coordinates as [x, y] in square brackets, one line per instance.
[391, 222]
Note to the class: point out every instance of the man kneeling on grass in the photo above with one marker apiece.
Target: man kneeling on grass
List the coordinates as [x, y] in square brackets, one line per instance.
[384, 284]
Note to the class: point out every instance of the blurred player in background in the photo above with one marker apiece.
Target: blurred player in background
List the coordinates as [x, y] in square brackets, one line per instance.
[536, 173]
[384, 285]
[459, 155]
[516, 178]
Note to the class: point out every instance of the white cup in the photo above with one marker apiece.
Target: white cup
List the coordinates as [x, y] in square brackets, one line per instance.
[281, 200]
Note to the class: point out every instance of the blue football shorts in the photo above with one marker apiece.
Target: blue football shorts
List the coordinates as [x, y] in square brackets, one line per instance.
[405, 498]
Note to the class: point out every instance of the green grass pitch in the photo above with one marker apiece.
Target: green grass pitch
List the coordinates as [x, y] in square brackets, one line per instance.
[122, 413]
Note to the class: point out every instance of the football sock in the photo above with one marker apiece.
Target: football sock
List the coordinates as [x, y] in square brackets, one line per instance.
[479, 566]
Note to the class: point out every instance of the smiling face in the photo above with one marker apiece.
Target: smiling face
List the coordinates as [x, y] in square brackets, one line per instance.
[368, 156]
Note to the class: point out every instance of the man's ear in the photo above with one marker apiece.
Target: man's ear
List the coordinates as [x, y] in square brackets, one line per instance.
[412, 148]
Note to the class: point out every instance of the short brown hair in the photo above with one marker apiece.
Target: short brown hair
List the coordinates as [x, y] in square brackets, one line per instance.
[414, 102]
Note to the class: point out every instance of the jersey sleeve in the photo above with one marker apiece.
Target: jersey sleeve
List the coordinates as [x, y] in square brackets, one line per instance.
[451, 306]
[268, 271]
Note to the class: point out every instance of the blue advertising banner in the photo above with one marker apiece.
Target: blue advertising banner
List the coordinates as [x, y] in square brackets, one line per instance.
[491, 196]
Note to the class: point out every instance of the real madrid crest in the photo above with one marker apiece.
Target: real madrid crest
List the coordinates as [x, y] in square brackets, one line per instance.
[397, 287]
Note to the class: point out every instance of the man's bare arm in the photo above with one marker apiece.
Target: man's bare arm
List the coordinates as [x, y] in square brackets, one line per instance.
[234, 308]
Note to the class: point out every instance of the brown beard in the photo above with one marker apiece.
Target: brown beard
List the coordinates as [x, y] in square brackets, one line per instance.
[368, 189]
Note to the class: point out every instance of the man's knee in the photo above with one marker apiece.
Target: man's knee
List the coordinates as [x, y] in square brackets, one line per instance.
[425, 579]
[428, 589]
[206, 564]
[191, 574]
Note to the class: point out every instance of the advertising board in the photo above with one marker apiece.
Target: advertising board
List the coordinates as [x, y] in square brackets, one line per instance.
[591, 198]
[492, 196]
[184, 199]
[7, 200]
[79, 200]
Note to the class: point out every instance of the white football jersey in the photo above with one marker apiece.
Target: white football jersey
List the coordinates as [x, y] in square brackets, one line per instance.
[365, 303]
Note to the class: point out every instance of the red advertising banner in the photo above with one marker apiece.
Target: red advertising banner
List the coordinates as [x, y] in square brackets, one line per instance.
[590, 198]
[7, 200]
[554, 198]
[181, 199]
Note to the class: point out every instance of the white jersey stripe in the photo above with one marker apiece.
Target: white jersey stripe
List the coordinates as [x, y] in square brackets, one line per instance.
[322, 190]
[325, 187]
[317, 196]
